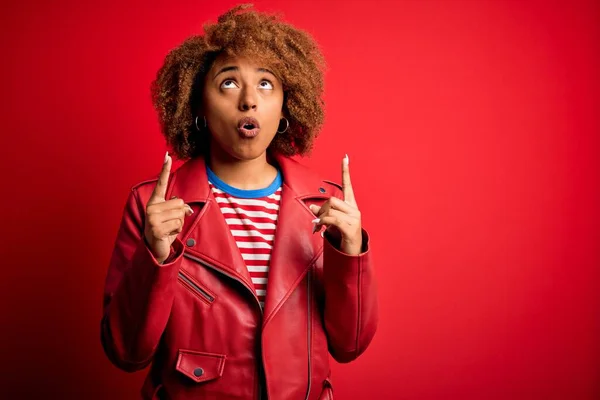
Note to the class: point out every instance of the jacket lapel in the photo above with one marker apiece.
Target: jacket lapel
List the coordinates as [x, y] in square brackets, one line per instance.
[206, 235]
[295, 247]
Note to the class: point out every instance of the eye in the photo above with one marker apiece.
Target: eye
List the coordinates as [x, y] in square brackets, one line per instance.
[265, 84]
[228, 84]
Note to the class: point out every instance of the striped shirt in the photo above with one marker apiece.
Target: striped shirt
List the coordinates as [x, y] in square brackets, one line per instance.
[252, 219]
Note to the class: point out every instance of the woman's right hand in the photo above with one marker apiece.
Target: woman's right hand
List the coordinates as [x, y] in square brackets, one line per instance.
[164, 219]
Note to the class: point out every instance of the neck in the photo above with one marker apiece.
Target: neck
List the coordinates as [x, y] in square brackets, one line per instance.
[242, 174]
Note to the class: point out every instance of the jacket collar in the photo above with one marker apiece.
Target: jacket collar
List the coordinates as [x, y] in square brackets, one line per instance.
[190, 182]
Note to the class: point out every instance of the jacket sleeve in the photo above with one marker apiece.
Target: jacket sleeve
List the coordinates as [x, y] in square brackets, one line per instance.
[351, 306]
[138, 293]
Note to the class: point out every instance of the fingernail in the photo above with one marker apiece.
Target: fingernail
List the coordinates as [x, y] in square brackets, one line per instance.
[316, 220]
[190, 208]
[314, 229]
[346, 159]
[166, 157]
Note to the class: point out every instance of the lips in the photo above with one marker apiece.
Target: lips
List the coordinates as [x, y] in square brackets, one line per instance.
[248, 127]
[248, 123]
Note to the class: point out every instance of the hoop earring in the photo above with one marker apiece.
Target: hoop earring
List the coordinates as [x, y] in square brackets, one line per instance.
[196, 123]
[286, 126]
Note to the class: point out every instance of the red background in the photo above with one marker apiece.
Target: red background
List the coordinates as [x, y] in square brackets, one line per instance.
[473, 133]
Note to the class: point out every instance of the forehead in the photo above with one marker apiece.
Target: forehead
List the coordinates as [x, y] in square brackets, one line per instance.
[242, 61]
[250, 62]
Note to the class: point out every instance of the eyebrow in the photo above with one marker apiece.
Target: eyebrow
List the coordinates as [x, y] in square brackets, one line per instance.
[234, 68]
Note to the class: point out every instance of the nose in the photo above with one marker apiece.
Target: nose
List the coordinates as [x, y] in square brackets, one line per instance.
[248, 100]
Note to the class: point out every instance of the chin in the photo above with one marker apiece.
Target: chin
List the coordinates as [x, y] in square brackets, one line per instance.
[248, 153]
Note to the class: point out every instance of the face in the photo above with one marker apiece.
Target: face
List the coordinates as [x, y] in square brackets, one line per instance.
[239, 95]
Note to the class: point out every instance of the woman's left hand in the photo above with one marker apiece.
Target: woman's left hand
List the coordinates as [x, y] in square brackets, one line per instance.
[341, 217]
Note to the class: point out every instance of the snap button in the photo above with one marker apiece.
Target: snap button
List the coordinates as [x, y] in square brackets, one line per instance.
[198, 372]
[322, 190]
[190, 242]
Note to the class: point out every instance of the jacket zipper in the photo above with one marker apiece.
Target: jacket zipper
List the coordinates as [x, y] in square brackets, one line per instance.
[201, 261]
[309, 330]
[197, 288]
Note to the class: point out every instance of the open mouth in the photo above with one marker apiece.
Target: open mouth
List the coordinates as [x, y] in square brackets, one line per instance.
[248, 123]
[248, 127]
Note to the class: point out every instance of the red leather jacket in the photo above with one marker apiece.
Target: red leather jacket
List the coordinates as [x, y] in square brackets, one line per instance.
[197, 319]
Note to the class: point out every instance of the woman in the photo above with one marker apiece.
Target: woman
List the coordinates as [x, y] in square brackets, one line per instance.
[218, 277]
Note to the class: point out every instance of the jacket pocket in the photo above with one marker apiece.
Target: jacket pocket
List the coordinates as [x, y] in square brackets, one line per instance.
[193, 286]
[200, 366]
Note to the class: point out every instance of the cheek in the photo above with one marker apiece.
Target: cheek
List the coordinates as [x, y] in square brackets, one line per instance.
[279, 98]
[217, 109]
[215, 101]
[275, 105]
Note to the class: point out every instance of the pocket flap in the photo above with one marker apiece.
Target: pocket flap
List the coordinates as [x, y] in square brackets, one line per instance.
[200, 366]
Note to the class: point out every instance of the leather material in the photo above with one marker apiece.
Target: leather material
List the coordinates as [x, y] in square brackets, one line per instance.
[196, 318]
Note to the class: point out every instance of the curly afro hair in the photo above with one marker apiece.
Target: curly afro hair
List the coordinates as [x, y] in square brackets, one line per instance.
[290, 53]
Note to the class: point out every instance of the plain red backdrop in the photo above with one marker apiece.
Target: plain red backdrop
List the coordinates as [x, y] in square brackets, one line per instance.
[473, 133]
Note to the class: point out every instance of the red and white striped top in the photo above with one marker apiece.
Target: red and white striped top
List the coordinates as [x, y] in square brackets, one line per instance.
[252, 222]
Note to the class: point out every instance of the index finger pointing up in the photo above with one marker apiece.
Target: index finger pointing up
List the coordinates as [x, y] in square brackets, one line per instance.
[346, 183]
[160, 190]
